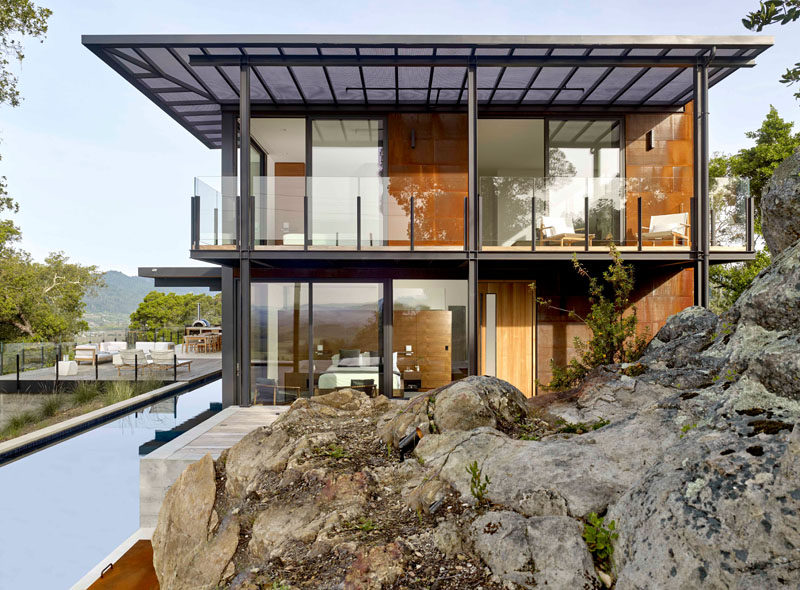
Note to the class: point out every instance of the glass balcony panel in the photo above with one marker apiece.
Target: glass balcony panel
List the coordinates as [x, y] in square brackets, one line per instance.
[606, 212]
[216, 223]
[728, 198]
[278, 216]
[563, 214]
[666, 212]
[332, 201]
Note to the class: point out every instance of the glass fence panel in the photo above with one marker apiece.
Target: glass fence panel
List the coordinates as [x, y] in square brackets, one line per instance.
[562, 222]
[606, 200]
[216, 223]
[507, 208]
[279, 211]
[666, 211]
[332, 201]
[728, 210]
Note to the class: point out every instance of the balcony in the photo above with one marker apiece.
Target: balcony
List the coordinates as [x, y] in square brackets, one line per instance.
[430, 212]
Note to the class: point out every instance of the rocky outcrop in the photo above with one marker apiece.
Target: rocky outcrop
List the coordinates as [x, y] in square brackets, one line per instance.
[693, 452]
[780, 205]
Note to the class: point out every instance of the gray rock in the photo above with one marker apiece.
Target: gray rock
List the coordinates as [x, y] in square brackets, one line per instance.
[533, 552]
[683, 336]
[780, 205]
[185, 555]
[716, 512]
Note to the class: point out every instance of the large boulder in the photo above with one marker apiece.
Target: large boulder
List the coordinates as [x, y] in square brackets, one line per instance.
[191, 548]
[780, 205]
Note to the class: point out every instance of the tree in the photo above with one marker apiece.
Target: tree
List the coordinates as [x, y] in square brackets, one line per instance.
[774, 142]
[43, 301]
[162, 310]
[769, 13]
[18, 18]
[612, 321]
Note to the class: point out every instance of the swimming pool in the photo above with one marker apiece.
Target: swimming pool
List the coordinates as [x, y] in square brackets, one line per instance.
[64, 508]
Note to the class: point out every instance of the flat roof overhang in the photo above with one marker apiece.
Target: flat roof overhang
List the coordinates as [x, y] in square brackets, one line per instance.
[193, 78]
[184, 276]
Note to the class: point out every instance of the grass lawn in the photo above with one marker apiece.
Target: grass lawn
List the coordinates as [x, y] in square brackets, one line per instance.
[87, 396]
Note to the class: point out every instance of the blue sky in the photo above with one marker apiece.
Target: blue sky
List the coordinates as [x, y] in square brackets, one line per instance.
[104, 175]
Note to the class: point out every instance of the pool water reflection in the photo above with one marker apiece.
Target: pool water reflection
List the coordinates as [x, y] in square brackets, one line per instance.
[66, 507]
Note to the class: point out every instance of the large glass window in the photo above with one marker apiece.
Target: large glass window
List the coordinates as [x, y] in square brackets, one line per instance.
[583, 163]
[279, 342]
[511, 167]
[347, 336]
[429, 332]
[278, 167]
[347, 157]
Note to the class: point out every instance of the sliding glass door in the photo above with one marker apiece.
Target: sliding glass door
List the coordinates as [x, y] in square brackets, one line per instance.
[335, 324]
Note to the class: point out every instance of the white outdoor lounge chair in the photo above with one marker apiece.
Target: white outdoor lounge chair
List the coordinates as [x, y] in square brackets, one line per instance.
[132, 359]
[559, 229]
[165, 360]
[674, 226]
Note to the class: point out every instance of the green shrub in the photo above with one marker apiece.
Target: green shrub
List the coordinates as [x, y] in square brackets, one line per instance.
[599, 539]
[21, 420]
[118, 391]
[85, 392]
[50, 406]
[477, 487]
[611, 319]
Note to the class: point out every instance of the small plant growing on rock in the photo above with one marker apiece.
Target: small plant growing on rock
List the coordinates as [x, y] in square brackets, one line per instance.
[599, 539]
[581, 427]
[686, 428]
[334, 451]
[611, 319]
[478, 485]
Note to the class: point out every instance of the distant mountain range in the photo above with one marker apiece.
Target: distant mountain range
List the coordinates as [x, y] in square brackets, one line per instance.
[113, 305]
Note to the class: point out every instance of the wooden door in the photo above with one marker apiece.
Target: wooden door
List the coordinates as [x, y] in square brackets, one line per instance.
[513, 328]
[429, 334]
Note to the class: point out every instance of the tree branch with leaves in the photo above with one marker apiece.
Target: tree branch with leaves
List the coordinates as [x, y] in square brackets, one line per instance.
[773, 12]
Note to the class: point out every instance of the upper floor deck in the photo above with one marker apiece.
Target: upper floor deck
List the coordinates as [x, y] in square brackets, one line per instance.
[501, 146]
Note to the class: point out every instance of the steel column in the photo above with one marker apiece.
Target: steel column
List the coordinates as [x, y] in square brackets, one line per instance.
[472, 153]
[473, 216]
[229, 354]
[387, 385]
[244, 234]
[228, 169]
[704, 200]
[695, 202]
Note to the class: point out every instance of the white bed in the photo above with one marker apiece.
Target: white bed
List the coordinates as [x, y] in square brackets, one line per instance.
[337, 376]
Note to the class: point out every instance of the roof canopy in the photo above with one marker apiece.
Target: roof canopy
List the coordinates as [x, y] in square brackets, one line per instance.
[193, 77]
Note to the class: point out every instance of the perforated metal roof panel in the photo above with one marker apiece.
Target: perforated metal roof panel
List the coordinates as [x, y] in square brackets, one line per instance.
[192, 77]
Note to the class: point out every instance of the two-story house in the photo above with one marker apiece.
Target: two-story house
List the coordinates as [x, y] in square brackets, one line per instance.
[388, 208]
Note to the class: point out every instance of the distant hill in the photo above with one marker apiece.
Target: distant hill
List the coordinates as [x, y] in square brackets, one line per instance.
[114, 304]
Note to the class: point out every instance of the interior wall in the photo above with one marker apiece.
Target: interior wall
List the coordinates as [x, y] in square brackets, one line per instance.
[664, 175]
[434, 169]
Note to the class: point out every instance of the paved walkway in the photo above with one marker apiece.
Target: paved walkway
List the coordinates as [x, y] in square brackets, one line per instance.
[159, 469]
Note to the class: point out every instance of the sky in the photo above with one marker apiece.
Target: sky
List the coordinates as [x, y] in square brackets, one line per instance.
[105, 176]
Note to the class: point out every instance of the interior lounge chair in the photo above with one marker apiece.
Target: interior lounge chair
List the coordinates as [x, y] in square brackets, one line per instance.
[673, 227]
[132, 359]
[561, 230]
[164, 360]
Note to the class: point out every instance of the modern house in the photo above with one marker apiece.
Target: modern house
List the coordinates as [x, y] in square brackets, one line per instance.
[403, 200]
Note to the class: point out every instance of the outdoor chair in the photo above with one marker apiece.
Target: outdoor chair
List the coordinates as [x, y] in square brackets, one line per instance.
[164, 360]
[667, 227]
[559, 229]
[91, 353]
[132, 359]
[268, 391]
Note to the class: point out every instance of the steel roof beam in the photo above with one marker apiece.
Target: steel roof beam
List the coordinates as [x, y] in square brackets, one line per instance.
[591, 61]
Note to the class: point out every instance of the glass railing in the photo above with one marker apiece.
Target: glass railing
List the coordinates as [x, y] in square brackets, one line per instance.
[215, 212]
[428, 211]
[731, 214]
[351, 213]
